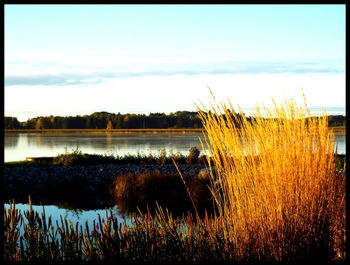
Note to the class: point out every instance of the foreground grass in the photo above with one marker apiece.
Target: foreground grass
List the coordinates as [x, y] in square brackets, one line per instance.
[279, 206]
[155, 237]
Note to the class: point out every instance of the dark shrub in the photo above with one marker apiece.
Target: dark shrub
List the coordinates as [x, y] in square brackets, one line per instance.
[68, 159]
[193, 156]
[200, 193]
[132, 191]
[179, 158]
[139, 190]
[340, 161]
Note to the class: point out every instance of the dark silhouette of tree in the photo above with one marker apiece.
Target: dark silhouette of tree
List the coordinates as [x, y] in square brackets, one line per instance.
[43, 123]
[11, 123]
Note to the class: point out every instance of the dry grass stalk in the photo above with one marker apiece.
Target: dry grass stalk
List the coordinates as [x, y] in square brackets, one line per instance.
[275, 176]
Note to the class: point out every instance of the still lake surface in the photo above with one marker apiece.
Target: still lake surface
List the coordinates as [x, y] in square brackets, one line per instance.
[20, 145]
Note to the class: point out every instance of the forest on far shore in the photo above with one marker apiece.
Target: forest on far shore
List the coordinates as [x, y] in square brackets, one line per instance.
[106, 120]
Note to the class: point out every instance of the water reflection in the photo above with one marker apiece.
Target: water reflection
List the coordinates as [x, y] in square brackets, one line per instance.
[11, 141]
[52, 144]
[75, 215]
[340, 140]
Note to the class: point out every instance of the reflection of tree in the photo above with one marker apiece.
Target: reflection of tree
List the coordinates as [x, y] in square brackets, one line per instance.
[38, 139]
[109, 140]
[51, 142]
[11, 139]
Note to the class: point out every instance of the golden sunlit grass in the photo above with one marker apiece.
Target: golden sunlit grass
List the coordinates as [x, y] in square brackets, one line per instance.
[277, 205]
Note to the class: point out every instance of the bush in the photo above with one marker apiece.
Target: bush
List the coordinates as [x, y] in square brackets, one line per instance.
[193, 156]
[68, 159]
[78, 158]
[167, 189]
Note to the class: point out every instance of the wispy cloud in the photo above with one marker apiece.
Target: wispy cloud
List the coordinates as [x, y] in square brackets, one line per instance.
[95, 75]
[59, 79]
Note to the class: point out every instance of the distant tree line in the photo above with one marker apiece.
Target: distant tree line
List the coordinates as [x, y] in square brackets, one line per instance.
[106, 120]
[336, 120]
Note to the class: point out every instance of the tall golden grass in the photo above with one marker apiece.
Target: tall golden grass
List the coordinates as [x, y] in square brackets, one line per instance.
[275, 180]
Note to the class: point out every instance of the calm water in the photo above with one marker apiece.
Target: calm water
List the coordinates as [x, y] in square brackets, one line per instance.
[18, 146]
[21, 145]
[75, 216]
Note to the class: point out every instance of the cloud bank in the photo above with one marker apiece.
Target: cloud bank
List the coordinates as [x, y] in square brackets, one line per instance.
[95, 75]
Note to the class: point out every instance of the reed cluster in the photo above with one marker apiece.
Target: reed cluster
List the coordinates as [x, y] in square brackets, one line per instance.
[151, 237]
[276, 183]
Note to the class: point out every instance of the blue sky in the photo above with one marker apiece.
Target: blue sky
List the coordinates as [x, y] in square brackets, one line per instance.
[77, 59]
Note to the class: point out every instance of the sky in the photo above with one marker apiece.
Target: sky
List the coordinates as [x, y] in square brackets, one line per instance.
[78, 59]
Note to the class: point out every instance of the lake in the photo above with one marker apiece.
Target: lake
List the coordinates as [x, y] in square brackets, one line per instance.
[19, 145]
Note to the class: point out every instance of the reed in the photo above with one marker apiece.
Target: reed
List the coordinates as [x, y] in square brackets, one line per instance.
[158, 238]
[275, 181]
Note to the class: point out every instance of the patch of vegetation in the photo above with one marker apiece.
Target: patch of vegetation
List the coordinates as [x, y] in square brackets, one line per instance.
[79, 158]
[132, 191]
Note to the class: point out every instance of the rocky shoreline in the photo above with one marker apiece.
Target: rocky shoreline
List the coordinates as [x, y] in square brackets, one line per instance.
[87, 186]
